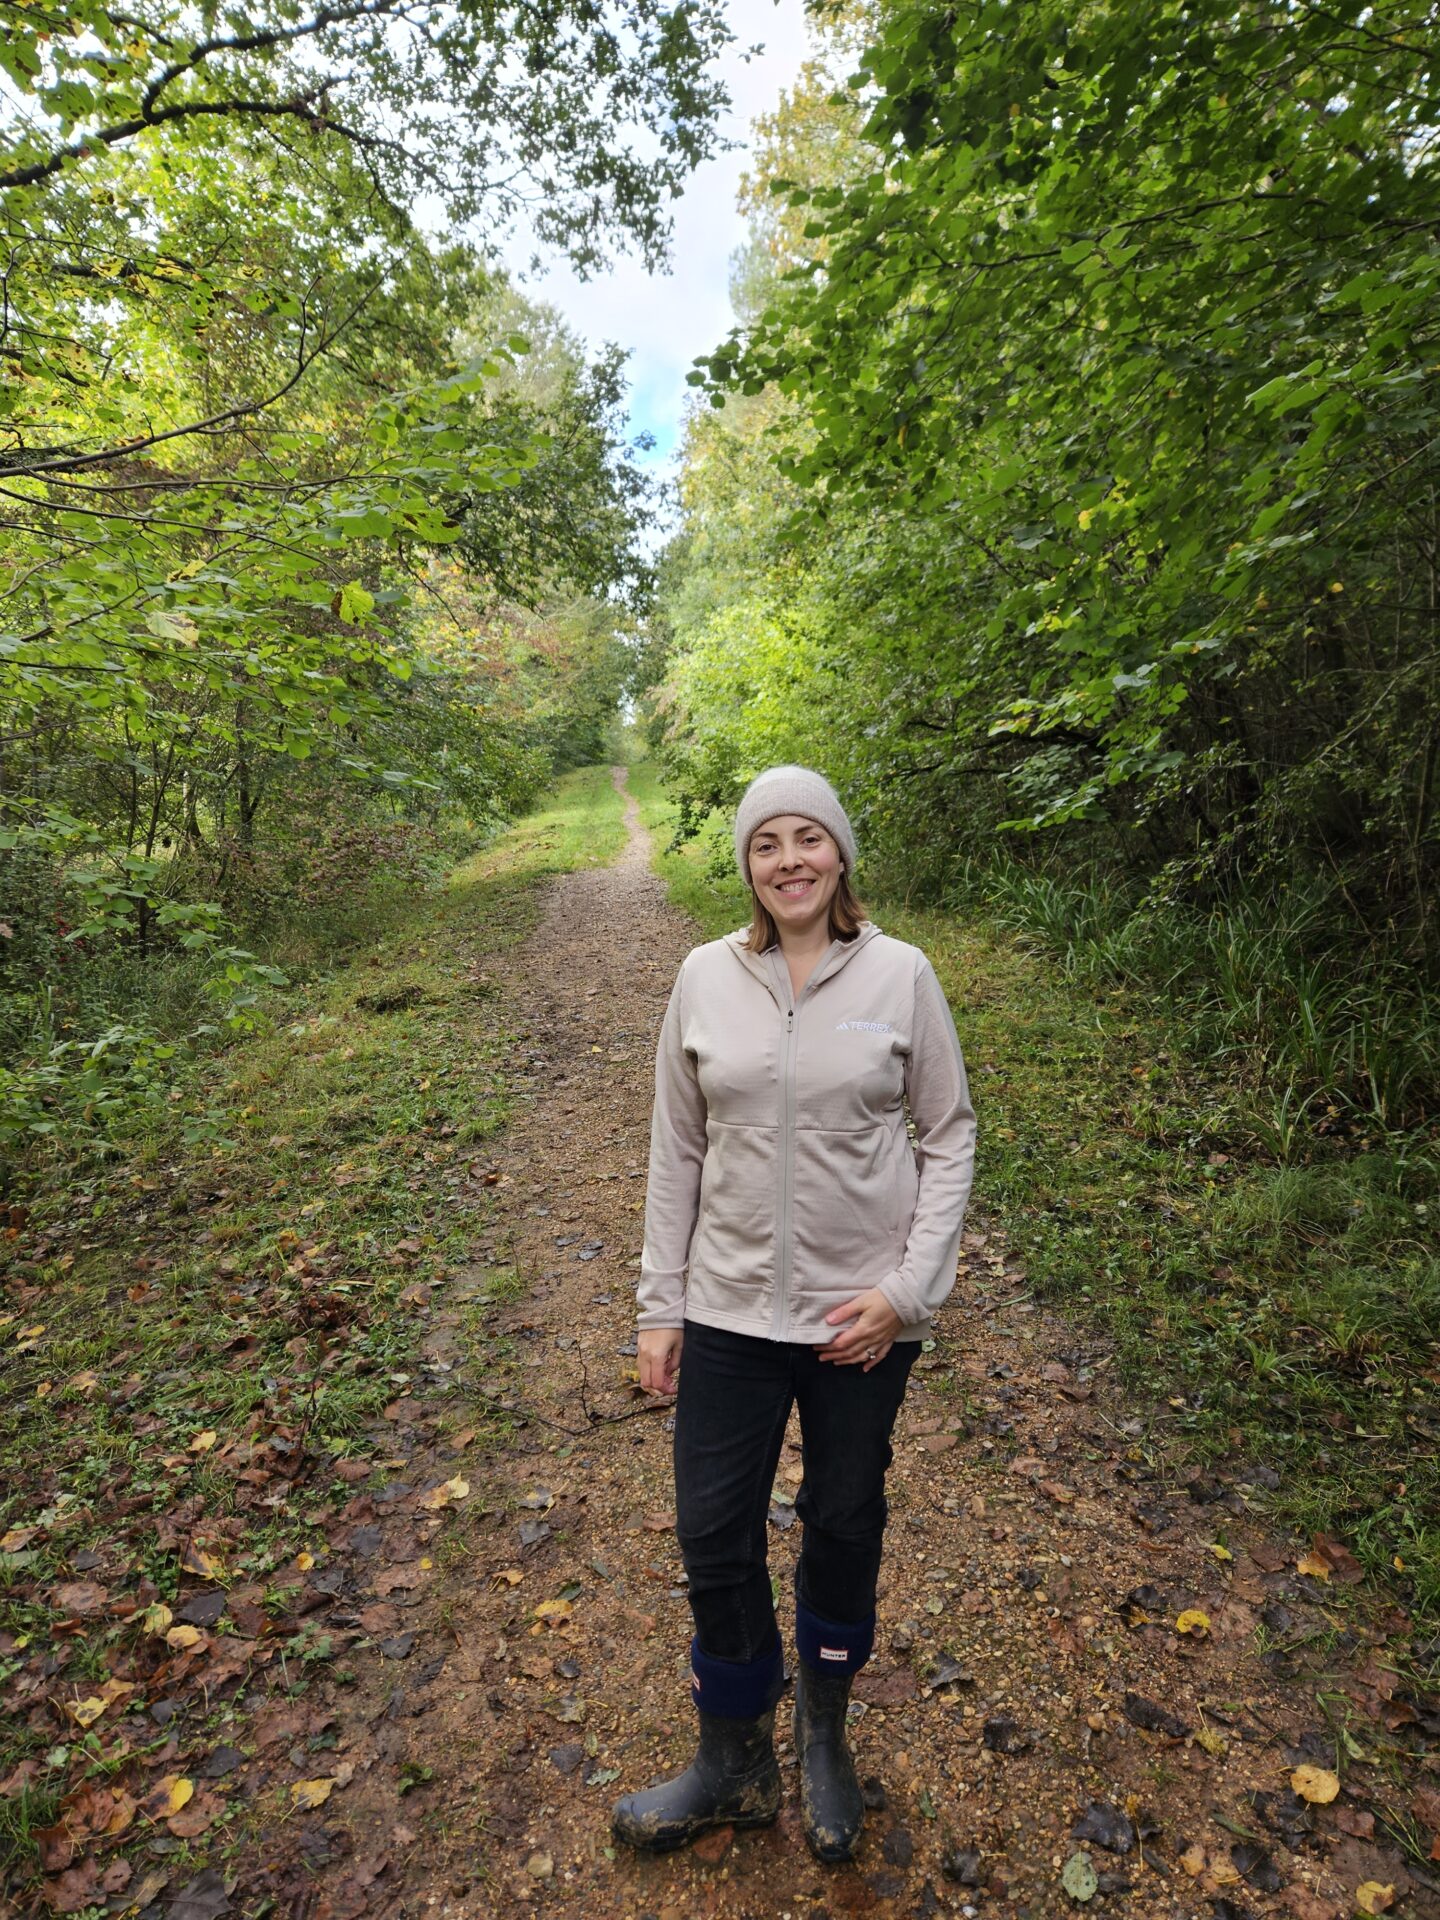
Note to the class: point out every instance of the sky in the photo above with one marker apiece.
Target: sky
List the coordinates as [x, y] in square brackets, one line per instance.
[666, 320]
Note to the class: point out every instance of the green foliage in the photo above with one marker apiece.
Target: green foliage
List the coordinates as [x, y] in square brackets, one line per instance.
[247, 411]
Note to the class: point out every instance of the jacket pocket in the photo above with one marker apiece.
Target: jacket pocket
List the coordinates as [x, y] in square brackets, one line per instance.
[735, 1229]
[845, 1215]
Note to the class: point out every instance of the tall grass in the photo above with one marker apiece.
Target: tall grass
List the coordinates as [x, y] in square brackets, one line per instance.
[1320, 1031]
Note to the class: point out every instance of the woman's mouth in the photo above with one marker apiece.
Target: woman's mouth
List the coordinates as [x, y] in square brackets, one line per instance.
[796, 889]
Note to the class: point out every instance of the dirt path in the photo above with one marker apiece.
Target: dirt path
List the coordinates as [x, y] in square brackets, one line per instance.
[533, 1634]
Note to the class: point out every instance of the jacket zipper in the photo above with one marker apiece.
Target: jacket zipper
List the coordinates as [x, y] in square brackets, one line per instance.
[787, 1122]
[787, 1177]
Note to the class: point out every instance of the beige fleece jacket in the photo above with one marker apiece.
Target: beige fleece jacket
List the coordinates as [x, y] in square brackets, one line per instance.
[782, 1179]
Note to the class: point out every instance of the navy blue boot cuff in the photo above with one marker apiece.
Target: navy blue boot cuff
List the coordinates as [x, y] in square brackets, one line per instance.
[830, 1647]
[736, 1689]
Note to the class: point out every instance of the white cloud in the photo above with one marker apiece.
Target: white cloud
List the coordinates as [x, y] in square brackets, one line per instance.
[666, 320]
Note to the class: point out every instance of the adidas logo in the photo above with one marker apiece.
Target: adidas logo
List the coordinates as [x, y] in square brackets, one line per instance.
[863, 1026]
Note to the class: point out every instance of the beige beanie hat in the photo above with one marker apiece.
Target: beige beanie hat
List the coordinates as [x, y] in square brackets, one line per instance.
[791, 789]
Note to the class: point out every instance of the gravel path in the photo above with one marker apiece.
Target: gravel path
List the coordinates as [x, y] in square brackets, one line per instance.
[1045, 1537]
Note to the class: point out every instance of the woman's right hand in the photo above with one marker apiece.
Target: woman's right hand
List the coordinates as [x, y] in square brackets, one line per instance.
[659, 1352]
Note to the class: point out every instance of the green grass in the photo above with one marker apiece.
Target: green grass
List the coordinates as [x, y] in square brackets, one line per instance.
[262, 1283]
[1293, 1306]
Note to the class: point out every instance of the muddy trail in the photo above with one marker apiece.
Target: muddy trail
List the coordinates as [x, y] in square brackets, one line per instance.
[1085, 1648]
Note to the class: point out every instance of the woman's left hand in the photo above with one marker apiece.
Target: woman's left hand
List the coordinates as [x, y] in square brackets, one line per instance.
[866, 1342]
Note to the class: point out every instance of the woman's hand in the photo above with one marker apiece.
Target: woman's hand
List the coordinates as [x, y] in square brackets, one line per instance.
[870, 1338]
[659, 1351]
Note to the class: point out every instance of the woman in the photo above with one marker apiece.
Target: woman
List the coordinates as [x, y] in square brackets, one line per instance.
[795, 1248]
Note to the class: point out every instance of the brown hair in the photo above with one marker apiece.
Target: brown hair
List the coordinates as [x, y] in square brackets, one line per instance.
[846, 918]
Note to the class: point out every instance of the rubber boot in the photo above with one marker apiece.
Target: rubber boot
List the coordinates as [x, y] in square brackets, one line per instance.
[832, 1807]
[734, 1780]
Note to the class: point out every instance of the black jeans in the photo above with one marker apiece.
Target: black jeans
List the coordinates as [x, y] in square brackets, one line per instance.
[734, 1398]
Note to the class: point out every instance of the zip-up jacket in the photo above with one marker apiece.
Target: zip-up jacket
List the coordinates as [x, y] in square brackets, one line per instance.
[782, 1180]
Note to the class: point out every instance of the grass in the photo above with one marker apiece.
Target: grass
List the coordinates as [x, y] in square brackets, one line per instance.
[1290, 1304]
[166, 1309]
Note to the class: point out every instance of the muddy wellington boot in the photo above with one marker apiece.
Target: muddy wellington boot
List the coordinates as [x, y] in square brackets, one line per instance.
[832, 1808]
[734, 1780]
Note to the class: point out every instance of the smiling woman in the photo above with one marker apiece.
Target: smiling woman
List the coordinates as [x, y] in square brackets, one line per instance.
[795, 1248]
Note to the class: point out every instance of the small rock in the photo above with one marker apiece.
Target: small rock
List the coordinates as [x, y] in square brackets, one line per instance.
[898, 1848]
[962, 1865]
[540, 1866]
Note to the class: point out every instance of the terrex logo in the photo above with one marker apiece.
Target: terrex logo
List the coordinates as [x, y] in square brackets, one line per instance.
[863, 1026]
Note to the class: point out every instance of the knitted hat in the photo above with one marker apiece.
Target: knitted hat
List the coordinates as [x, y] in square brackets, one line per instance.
[791, 790]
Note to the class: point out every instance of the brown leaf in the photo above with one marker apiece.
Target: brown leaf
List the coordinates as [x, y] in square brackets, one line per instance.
[1061, 1495]
[658, 1522]
[79, 1598]
[201, 1812]
[938, 1442]
[1337, 1557]
[74, 1890]
[410, 1573]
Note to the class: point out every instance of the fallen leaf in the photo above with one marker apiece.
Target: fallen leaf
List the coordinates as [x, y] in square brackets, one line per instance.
[168, 1796]
[1193, 1622]
[156, 1619]
[181, 1637]
[506, 1577]
[1315, 1784]
[308, 1794]
[85, 1712]
[203, 1442]
[1079, 1878]
[1372, 1897]
[448, 1491]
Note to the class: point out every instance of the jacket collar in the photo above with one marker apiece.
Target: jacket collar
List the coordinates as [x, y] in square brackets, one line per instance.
[765, 966]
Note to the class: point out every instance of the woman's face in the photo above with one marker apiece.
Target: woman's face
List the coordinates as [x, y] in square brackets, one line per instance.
[795, 870]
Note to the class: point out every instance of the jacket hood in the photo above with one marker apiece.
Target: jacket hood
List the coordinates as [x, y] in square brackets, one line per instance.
[837, 955]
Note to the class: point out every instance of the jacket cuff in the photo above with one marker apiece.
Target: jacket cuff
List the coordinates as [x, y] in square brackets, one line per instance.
[660, 1299]
[903, 1299]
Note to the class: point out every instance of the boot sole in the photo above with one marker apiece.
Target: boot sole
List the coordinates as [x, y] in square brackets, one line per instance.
[671, 1843]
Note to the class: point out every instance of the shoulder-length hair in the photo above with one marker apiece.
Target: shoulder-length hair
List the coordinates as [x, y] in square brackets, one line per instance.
[847, 916]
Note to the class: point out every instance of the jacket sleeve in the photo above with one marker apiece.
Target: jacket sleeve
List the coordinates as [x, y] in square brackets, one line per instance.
[672, 1188]
[939, 1094]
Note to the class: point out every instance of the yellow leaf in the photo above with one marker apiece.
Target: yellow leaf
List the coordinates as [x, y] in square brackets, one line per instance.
[205, 1566]
[304, 1561]
[1085, 516]
[554, 1610]
[448, 1490]
[1313, 1564]
[31, 1333]
[506, 1577]
[16, 1539]
[1372, 1897]
[170, 1795]
[203, 1442]
[85, 1382]
[44, 1390]
[1316, 1784]
[1193, 1621]
[306, 1794]
[156, 1619]
[85, 1712]
[1214, 1743]
[1220, 1553]
[179, 1637]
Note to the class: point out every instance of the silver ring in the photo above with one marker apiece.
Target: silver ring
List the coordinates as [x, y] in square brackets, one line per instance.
[869, 1353]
